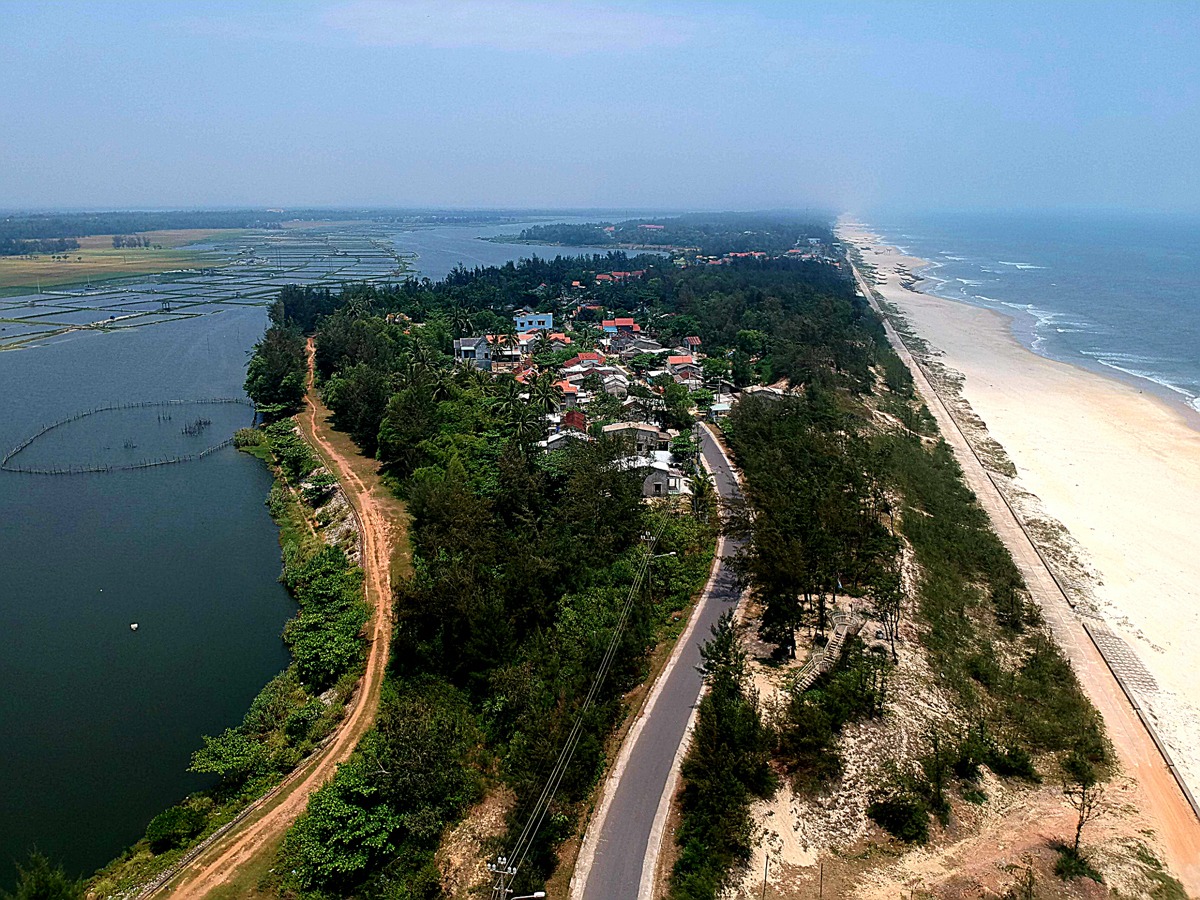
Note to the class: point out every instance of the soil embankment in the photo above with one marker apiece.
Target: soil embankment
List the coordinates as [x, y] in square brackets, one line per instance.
[233, 865]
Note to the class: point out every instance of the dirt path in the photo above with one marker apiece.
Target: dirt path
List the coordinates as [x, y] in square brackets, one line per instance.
[223, 867]
[1177, 828]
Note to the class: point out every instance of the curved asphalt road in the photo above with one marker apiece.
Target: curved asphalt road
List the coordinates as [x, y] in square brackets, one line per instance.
[623, 845]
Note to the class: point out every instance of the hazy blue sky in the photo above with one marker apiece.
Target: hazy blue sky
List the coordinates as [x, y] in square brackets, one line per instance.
[856, 106]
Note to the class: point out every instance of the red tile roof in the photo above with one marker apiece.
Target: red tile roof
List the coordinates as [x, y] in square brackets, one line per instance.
[679, 360]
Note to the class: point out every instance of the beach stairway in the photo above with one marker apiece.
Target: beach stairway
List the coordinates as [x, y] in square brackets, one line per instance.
[844, 625]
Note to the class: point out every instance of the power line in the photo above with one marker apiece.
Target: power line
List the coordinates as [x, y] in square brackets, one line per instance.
[506, 867]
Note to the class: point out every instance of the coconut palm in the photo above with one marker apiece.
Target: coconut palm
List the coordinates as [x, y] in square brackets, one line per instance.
[460, 321]
[508, 400]
[541, 344]
[703, 494]
[545, 394]
[528, 428]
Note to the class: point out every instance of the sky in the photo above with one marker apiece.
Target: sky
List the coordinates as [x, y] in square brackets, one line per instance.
[853, 107]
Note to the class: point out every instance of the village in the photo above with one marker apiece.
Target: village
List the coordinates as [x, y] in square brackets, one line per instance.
[613, 377]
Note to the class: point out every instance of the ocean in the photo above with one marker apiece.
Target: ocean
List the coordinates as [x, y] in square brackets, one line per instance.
[1115, 293]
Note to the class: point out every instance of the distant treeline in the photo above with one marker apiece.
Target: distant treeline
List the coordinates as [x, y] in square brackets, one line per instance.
[73, 225]
[12, 247]
[729, 233]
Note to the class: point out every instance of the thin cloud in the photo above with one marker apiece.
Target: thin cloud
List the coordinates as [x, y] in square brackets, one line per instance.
[556, 28]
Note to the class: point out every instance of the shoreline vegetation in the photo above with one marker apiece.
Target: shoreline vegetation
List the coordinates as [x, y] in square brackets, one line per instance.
[300, 708]
[943, 704]
[1106, 476]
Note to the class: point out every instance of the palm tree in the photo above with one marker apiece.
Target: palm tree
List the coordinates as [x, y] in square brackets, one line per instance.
[443, 386]
[541, 343]
[508, 400]
[528, 428]
[460, 321]
[585, 336]
[545, 393]
[702, 494]
[509, 340]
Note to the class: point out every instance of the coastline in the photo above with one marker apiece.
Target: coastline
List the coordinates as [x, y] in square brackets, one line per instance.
[1114, 465]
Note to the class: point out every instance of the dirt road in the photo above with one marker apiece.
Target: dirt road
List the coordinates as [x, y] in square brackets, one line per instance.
[1176, 826]
[232, 865]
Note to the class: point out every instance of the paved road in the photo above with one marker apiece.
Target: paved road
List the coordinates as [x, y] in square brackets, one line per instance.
[627, 826]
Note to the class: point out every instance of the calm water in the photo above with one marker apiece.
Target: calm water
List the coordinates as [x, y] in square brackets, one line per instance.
[442, 248]
[99, 722]
[1116, 294]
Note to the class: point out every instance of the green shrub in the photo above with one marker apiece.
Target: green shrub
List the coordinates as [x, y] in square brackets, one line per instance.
[174, 827]
[905, 816]
[248, 437]
[1072, 864]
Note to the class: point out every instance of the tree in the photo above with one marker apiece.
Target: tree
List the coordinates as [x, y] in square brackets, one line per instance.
[715, 368]
[1081, 787]
[545, 394]
[39, 879]
[644, 362]
[275, 376]
[231, 755]
[174, 827]
[887, 599]
[460, 321]
[703, 495]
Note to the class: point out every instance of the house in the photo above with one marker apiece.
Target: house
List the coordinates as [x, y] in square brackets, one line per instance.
[693, 343]
[718, 411]
[645, 437]
[534, 321]
[663, 480]
[684, 366]
[620, 326]
[585, 360]
[574, 418]
[764, 391]
[474, 350]
[570, 394]
[563, 438]
[659, 477]
[616, 387]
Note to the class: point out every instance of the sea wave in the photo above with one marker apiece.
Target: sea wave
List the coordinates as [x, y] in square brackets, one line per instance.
[968, 281]
[1017, 265]
[1125, 362]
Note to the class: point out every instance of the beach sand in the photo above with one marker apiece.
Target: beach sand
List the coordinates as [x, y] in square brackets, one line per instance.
[1115, 464]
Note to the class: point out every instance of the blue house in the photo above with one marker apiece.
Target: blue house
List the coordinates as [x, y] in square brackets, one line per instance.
[534, 321]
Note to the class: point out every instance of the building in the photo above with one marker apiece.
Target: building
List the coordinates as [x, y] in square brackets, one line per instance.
[646, 437]
[620, 326]
[574, 418]
[534, 321]
[585, 360]
[474, 350]
[560, 439]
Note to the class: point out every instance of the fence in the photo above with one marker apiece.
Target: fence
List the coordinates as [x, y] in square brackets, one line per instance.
[7, 465]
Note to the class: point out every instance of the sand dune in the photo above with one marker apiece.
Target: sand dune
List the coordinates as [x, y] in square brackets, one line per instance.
[1116, 464]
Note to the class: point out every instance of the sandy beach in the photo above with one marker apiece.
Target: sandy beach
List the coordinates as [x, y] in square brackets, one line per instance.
[1118, 466]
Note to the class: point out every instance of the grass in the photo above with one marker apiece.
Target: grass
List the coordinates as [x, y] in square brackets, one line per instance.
[96, 260]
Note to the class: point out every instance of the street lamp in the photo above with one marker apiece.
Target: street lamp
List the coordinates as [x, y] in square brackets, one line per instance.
[537, 895]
